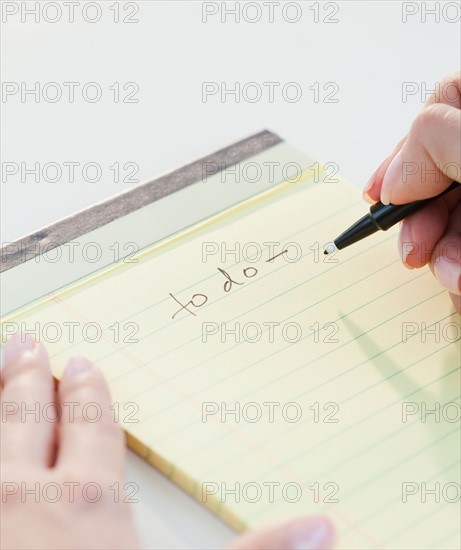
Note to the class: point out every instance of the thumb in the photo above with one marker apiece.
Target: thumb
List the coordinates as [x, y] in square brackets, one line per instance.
[311, 533]
[430, 158]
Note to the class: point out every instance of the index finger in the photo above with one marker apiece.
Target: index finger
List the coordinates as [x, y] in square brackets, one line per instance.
[447, 92]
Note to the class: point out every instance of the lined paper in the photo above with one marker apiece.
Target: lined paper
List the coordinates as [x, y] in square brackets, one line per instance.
[348, 342]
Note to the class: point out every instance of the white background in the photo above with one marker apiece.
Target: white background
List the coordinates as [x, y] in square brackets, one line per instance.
[370, 53]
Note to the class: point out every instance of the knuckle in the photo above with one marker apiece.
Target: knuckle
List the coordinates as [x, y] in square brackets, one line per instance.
[113, 433]
[448, 90]
[430, 115]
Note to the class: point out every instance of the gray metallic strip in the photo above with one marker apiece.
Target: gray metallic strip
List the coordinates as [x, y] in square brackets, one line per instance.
[100, 214]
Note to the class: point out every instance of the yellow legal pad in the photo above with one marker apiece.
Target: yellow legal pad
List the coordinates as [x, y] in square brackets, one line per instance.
[271, 381]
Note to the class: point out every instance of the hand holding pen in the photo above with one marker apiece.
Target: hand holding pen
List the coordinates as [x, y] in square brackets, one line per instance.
[424, 164]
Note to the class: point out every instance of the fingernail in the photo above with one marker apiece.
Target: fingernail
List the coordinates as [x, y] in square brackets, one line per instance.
[77, 366]
[312, 534]
[406, 243]
[16, 345]
[448, 273]
[391, 178]
[369, 185]
[367, 188]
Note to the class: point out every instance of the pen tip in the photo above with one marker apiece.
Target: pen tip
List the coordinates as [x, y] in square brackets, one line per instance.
[329, 248]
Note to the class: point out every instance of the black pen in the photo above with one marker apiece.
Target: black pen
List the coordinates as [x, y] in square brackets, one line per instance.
[381, 217]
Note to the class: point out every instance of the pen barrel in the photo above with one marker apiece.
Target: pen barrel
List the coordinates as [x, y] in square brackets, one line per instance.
[387, 215]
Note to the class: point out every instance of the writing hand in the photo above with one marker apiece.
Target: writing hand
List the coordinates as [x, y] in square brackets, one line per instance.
[423, 164]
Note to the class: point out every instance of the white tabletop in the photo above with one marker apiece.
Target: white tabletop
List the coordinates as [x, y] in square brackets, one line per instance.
[377, 61]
